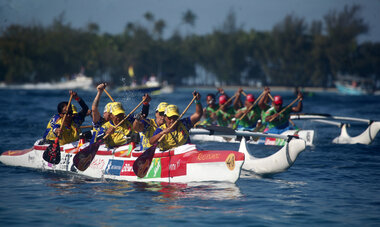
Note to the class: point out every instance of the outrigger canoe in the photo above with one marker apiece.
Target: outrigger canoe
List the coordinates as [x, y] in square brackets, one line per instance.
[182, 164]
[227, 135]
[366, 137]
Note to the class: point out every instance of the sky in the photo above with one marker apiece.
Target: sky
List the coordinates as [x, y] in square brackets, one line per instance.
[113, 15]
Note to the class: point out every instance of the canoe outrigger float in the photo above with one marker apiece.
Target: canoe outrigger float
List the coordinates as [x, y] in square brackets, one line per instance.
[227, 135]
[182, 164]
[275, 163]
[365, 137]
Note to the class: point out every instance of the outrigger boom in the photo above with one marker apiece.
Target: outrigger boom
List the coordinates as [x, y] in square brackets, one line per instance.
[366, 137]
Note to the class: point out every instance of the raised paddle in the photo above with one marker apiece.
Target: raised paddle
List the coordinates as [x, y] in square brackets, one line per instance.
[142, 163]
[113, 100]
[83, 158]
[52, 154]
[228, 101]
[250, 108]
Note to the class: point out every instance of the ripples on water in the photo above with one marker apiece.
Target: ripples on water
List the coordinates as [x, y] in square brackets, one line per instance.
[330, 185]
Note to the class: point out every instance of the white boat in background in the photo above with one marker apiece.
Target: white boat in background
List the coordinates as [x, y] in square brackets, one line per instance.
[79, 81]
[153, 88]
[366, 137]
[354, 85]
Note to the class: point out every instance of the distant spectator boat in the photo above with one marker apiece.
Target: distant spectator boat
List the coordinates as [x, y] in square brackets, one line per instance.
[352, 85]
[151, 86]
[80, 81]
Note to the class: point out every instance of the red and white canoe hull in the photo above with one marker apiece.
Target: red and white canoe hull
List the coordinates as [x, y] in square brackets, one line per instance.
[183, 164]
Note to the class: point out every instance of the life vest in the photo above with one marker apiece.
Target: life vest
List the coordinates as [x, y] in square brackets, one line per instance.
[224, 117]
[179, 136]
[147, 134]
[207, 116]
[250, 120]
[68, 134]
[281, 121]
[121, 134]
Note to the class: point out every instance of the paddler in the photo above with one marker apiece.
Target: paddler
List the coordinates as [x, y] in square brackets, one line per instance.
[250, 114]
[209, 112]
[117, 135]
[97, 119]
[179, 134]
[276, 118]
[225, 112]
[147, 127]
[71, 130]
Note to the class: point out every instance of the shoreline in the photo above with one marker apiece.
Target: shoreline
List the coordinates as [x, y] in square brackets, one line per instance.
[255, 89]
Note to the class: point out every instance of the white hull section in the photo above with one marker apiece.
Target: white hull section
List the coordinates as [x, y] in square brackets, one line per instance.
[277, 162]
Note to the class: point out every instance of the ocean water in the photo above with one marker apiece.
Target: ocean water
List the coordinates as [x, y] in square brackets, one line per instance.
[328, 185]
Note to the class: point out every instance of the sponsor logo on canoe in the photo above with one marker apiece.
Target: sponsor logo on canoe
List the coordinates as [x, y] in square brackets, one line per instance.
[127, 169]
[155, 169]
[230, 161]
[274, 141]
[308, 137]
[203, 157]
[98, 163]
[175, 165]
[114, 167]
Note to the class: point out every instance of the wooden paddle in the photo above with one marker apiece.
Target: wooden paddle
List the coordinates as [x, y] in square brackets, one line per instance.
[250, 108]
[52, 154]
[113, 100]
[142, 163]
[83, 158]
[228, 101]
[291, 104]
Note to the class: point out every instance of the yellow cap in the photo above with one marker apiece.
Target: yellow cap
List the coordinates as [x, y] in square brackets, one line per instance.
[161, 107]
[107, 108]
[171, 110]
[116, 108]
[74, 109]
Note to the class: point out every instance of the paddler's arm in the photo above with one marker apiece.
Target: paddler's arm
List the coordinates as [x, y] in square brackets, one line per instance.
[263, 101]
[239, 113]
[195, 117]
[145, 108]
[95, 103]
[158, 134]
[84, 108]
[139, 123]
[298, 108]
[237, 104]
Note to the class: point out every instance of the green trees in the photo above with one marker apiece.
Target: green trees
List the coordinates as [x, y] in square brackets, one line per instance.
[293, 53]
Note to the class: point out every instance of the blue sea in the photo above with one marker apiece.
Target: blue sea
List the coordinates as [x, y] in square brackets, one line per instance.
[328, 185]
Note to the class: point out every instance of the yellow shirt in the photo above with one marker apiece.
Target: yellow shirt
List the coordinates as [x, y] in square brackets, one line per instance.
[121, 134]
[147, 133]
[68, 134]
[177, 137]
